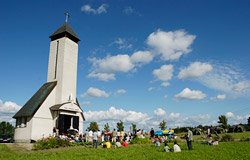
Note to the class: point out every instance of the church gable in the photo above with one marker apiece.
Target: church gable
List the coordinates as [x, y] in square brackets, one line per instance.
[34, 103]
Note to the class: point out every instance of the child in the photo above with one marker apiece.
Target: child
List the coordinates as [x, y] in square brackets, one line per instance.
[176, 147]
[124, 144]
[166, 148]
[157, 142]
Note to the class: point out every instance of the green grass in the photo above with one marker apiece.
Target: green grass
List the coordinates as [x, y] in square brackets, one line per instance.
[226, 150]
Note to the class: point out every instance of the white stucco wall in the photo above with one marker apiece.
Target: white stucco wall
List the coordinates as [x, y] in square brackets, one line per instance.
[23, 134]
[42, 128]
[66, 75]
[44, 110]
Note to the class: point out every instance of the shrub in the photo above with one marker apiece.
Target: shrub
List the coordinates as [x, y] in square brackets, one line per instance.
[48, 143]
[86, 143]
[140, 141]
[226, 138]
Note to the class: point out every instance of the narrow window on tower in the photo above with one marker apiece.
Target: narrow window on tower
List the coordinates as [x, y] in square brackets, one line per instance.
[57, 46]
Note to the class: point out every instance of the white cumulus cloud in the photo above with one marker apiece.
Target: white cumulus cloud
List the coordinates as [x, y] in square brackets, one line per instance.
[165, 73]
[9, 107]
[88, 9]
[159, 112]
[218, 97]
[142, 57]
[115, 114]
[195, 70]
[102, 76]
[95, 92]
[120, 91]
[229, 114]
[171, 45]
[165, 84]
[118, 63]
[7, 111]
[190, 95]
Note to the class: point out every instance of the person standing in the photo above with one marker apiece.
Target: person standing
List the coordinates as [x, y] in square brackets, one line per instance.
[114, 136]
[95, 139]
[90, 135]
[86, 136]
[189, 139]
[118, 134]
[152, 133]
[122, 134]
[102, 136]
[170, 134]
[208, 132]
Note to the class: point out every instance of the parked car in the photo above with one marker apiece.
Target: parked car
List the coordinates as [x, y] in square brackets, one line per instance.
[5, 139]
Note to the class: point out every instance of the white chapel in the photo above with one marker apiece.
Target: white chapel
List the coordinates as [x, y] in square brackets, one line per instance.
[55, 103]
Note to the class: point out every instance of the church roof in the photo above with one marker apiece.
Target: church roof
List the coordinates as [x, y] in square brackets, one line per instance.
[30, 108]
[65, 30]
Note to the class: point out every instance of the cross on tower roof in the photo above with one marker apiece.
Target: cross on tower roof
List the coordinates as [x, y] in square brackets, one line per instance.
[67, 16]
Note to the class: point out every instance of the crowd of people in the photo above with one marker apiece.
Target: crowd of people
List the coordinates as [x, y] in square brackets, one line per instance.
[121, 138]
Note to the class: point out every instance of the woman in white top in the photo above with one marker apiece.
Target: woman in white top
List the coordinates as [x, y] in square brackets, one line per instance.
[176, 147]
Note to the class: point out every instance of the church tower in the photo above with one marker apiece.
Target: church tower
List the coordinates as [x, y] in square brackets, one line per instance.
[55, 104]
[63, 63]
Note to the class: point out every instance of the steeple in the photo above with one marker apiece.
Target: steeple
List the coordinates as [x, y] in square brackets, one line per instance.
[65, 31]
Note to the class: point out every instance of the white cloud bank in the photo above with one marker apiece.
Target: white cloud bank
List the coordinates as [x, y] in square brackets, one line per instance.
[95, 92]
[236, 119]
[7, 111]
[170, 45]
[88, 9]
[145, 121]
[190, 95]
[195, 70]
[115, 114]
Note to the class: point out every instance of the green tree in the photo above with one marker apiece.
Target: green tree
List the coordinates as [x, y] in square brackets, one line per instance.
[93, 126]
[162, 125]
[134, 127]
[119, 126]
[106, 127]
[6, 128]
[223, 121]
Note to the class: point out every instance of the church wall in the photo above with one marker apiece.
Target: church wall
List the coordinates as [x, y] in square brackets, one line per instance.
[80, 123]
[66, 70]
[23, 134]
[42, 128]
[52, 61]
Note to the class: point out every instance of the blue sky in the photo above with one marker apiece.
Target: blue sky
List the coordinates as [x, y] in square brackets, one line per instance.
[186, 62]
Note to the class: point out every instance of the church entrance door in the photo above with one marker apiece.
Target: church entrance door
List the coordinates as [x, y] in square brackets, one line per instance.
[65, 122]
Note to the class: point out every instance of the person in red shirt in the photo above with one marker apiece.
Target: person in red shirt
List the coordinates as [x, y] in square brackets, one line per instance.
[124, 143]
